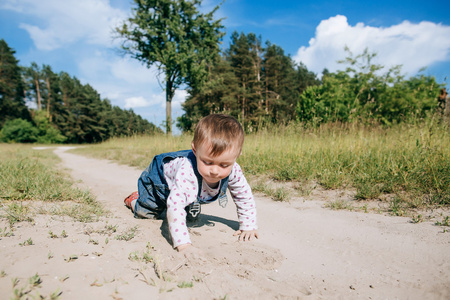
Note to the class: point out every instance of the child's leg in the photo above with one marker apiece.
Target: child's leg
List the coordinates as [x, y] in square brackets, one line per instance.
[130, 201]
[148, 209]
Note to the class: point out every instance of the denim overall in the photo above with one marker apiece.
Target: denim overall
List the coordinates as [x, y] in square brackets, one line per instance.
[154, 191]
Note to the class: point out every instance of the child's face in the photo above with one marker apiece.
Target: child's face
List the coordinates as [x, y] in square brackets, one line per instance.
[214, 169]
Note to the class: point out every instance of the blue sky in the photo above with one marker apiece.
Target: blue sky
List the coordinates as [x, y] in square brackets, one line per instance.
[75, 36]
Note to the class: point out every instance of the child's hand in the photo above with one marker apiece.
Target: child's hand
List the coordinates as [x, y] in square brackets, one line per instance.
[193, 255]
[246, 235]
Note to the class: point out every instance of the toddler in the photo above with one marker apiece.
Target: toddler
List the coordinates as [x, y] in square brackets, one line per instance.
[179, 182]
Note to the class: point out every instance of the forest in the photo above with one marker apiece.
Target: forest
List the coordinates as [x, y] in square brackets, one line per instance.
[38, 105]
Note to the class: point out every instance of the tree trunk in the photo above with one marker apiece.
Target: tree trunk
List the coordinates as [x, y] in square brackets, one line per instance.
[243, 105]
[38, 93]
[169, 95]
[49, 94]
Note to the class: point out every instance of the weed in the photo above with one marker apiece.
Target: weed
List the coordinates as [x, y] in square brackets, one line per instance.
[445, 222]
[96, 283]
[149, 281]
[92, 241]
[55, 295]
[17, 212]
[20, 293]
[365, 208]
[280, 194]
[3, 273]
[277, 194]
[417, 219]
[71, 258]
[185, 284]
[304, 189]
[6, 233]
[339, 204]
[395, 207]
[28, 242]
[52, 235]
[110, 229]
[64, 234]
[106, 241]
[15, 281]
[144, 257]
[131, 232]
[49, 255]
[35, 280]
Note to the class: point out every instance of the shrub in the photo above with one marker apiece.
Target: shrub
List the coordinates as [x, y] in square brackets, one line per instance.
[19, 131]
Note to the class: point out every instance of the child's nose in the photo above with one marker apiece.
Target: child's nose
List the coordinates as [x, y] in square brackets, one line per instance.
[214, 170]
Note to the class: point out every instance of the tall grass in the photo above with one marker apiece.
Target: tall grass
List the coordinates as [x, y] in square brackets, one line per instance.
[28, 175]
[409, 161]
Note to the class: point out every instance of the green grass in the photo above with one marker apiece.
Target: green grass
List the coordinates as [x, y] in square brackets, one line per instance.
[410, 162]
[29, 176]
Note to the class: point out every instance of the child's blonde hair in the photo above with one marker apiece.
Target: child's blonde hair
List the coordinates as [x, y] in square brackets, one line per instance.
[221, 132]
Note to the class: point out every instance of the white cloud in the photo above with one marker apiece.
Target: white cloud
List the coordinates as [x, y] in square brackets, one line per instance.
[178, 99]
[61, 23]
[134, 102]
[413, 46]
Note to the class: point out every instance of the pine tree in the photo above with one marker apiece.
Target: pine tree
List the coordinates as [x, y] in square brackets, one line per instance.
[12, 103]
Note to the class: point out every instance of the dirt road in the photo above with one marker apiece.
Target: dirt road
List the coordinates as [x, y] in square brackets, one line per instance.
[305, 251]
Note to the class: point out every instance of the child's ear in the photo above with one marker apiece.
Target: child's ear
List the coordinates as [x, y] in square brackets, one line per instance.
[193, 147]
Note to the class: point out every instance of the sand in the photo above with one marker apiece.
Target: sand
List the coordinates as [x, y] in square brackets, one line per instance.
[305, 251]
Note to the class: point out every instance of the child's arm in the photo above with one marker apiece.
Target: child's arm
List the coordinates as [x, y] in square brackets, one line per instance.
[246, 209]
[183, 191]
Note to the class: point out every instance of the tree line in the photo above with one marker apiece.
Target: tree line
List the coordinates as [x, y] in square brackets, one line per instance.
[39, 105]
[262, 86]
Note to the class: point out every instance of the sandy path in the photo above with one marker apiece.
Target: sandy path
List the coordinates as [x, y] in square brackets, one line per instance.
[305, 251]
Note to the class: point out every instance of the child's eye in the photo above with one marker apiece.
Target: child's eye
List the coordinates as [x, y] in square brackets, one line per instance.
[224, 166]
[207, 163]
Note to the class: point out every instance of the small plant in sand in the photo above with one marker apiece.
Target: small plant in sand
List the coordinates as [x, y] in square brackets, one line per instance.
[34, 282]
[185, 284]
[278, 194]
[396, 207]
[52, 235]
[17, 212]
[6, 233]
[145, 256]
[417, 219]
[445, 222]
[128, 235]
[92, 241]
[304, 188]
[109, 229]
[28, 242]
[72, 257]
[339, 204]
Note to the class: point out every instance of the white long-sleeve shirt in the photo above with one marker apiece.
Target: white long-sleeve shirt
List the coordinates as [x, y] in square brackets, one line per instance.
[183, 186]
